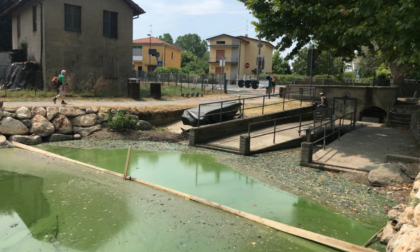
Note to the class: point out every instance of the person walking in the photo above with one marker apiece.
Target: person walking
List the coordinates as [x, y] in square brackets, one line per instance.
[62, 88]
[273, 83]
[268, 78]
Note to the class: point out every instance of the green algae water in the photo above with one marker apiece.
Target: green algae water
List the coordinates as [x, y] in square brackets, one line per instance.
[202, 176]
[55, 206]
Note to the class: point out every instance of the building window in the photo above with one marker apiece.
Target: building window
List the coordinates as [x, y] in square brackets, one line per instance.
[34, 19]
[172, 55]
[137, 51]
[110, 24]
[18, 26]
[73, 18]
[220, 42]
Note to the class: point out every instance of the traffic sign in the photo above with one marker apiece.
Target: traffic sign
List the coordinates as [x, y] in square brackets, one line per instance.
[160, 63]
[247, 65]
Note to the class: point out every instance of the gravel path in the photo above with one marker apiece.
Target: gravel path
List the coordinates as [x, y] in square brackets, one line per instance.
[281, 169]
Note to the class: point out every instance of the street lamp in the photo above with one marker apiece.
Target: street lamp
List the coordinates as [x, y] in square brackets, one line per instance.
[150, 48]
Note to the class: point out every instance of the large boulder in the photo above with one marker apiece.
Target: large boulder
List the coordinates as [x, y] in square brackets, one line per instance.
[77, 137]
[10, 126]
[1, 114]
[396, 211]
[386, 175]
[84, 120]
[23, 113]
[103, 117]
[104, 110]
[410, 169]
[3, 142]
[59, 138]
[62, 125]
[406, 240]
[143, 125]
[39, 111]
[70, 112]
[41, 126]
[51, 113]
[405, 218]
[387, 233]
[86, 131]
[28, 140]
[27, 122]
[9, 114]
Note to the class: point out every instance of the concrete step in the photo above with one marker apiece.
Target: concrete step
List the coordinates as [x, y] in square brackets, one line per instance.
[219, 148]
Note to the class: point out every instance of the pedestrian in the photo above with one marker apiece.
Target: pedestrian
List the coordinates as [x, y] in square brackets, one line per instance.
[324, 101]
[273, 83]
[268, 78]
[61, 88]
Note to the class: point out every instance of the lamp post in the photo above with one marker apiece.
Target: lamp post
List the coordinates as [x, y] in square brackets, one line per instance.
[150, 48]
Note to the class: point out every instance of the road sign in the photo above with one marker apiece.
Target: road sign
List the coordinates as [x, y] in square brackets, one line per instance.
[247, 65]
[160, 63]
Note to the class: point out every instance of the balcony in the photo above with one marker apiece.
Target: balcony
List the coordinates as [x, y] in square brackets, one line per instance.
[214, 45]
[231, 60]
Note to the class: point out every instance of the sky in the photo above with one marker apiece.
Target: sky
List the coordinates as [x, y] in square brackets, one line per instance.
[207, 18]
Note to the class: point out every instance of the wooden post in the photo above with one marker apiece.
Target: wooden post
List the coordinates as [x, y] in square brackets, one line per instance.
[127, 162]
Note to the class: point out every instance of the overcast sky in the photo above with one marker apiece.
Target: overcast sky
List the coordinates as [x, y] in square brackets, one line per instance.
[207, 18]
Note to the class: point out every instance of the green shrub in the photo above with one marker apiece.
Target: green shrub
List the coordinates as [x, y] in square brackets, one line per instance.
[120, 121]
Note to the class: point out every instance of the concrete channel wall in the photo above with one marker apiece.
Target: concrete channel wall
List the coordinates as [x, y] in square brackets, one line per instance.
[207, 133]
[367, 97]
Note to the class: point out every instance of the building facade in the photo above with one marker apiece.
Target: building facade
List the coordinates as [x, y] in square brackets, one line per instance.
[240, 55]
[169, 55]
[83, 37]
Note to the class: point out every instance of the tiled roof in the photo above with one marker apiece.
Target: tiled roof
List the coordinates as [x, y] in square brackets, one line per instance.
[137, 10]
[154, 41]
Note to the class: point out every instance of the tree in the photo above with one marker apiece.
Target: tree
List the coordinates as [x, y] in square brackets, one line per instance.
[6, 26]
[326, 64]
[192, 63]
[342, 27]
[192, 43]
[280, 66]
[167, 38]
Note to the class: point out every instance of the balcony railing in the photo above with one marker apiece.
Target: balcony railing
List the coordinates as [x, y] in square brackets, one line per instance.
[234, 60]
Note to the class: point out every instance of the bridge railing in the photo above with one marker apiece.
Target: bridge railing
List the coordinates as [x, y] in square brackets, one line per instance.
[243, 108]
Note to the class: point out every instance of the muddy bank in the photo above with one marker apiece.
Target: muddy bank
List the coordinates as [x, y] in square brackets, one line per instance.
[280, 169]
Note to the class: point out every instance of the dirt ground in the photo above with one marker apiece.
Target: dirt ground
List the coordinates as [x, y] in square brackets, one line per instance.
[399, 193]
[156, 135]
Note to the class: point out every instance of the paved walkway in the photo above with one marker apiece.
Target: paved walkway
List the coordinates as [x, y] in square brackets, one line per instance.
[366, 147]
[184, 101]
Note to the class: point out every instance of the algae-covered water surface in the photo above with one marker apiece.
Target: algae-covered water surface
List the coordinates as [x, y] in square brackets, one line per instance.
[50, 205]
[202, 176]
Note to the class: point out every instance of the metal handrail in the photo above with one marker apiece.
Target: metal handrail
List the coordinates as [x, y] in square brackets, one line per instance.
[243, 105]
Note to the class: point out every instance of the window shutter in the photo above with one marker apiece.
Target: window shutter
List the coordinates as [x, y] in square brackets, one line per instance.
[106, 24]
[77, 18]
[114, 25]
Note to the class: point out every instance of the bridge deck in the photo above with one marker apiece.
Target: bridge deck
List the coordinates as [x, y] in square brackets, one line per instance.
[257, 143]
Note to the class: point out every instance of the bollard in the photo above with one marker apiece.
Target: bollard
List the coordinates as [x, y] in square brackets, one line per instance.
[245, 145]
[306, 153]
[308, 136]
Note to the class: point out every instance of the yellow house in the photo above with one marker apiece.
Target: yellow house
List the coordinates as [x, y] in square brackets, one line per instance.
[169, 55]
[240, 54]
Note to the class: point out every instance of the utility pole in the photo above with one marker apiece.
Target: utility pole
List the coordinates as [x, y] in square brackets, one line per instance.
[150, 47]
[259, 58]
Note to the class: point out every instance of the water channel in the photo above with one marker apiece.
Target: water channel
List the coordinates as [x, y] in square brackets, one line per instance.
[202, 176]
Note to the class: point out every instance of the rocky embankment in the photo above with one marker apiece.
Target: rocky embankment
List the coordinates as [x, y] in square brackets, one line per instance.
[35, 125]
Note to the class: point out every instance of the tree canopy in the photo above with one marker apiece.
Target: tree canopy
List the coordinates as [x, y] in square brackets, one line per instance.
[192, 43]
[326, 64]
[167, 38]
[280, 65]
[343, 27]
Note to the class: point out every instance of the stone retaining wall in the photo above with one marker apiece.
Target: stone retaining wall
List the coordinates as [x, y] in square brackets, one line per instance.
[35, 125]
